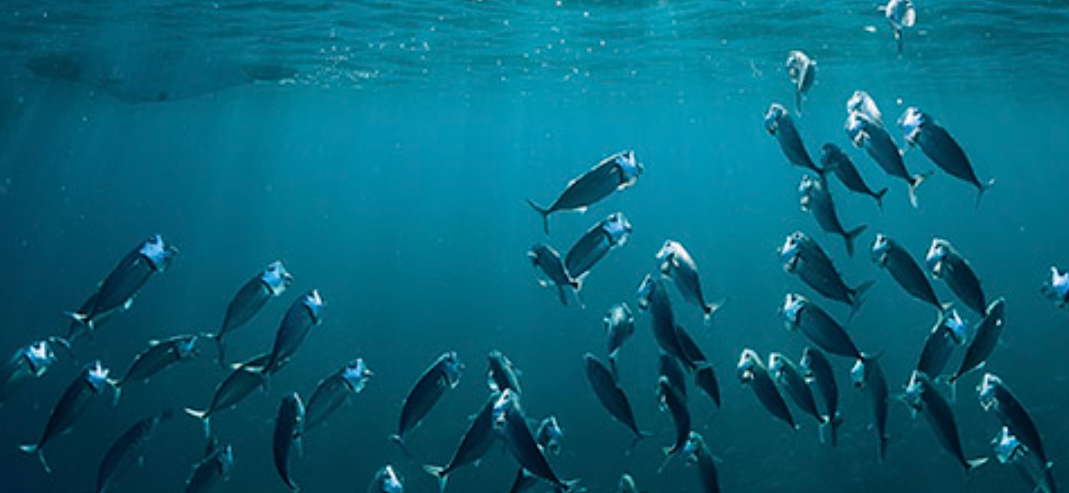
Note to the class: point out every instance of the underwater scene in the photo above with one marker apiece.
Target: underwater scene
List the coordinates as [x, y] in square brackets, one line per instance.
[572, 246]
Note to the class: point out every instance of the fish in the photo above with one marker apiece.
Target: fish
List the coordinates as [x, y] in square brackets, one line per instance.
[511, 424]
[619, 327]
[816, 200]
[676, 404]
[1009, 449]
[669, 369]
[289, 430]
[28, 362]
[475, 443]
[833, 158]
[116, 293]
[887, 254]
[548, 439]
[679, 266]
[547, 261]
[802, 71]
[790, 379]
[250, 299]
[653, 296]
[243, 379]
[501, 374]
[863, 103]
[335, 390]
[804, 257]
[866, 133]
[948, 333]
[867, 376]
[922, 397]
[817, 370]
[752, 372]
[901, 15]
[947, 264]
[159, 356]
[611, 396]
[995, 396]
[778, 123]
[1057, 289]
[306, 312]
[444, 374]
[985, 339]
[386, 481]
[799, 313]
[617, 172]
[80, 393]
[127, 450]
[608, 234]
[922, 130]
[698, 454]
[211, 470]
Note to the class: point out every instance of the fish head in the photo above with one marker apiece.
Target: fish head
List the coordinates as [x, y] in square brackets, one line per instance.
[669, 249]
[901, 14]
[938, 251]
[911, 122]
[630, 169]
[356, 375]
[807, 189]
[790, 252]
[551, 433]
[798, 66]
[618, 228]
[863, 104]
[158, 253]
[276, 278]
[645, 292]
[505, 402]
[793, 304]
[620, 317]
[391, 482]
[188, 348]
[915, 389]
[775, 114]
[692, 447]
[1007, 446]
[314, 303]
[881, 248]
[1059, 284]
[829, 155]
[776, 364]
[748, 363]
[957, 327]
[986, 390]
[857, 374]
[97, 376]
[451, 368]
[39, 357]
[857, 128]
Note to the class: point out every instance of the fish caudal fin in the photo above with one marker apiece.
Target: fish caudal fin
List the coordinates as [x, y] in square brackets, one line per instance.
[852, 235]
[639, 436]
[439, 473]
[829, 430]
[39, 452]
[80, 318]
[712, 309]
[205, 419]
[561, 295]
[971, 464]
[543, 212]
[858, 296]
[879, 198]
[400, 441]
[915, 182]
[980, 189]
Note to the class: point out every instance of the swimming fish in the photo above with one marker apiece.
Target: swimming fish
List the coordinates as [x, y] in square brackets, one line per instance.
[442, 375]
[804, 257]
[159, 356]
[306, 312]
[616, 172]
[778, 123]
[80, 393]
[817, 370]
[127, 450]
[611, 396]
[815, 199]
[920, 129]
[501, 374]
[608, 234]
[28, 362]
[335, 390]
[475, 443]
[833, 158]
[922, 397]
[802, 71]
[867, 375]
[386, 481]
[866, 133]
[211, 470]
[247, 302]
[889, 255]
[679, 266]
[947, 264]
[289, 430]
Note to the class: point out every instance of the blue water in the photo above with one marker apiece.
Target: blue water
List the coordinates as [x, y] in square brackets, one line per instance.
[389, 171]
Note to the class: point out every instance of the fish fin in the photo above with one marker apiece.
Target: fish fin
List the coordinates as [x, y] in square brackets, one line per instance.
[116, 387]
[798, 102]
[439, 473]
[39, 452]
[915, 183]
[82, 319]
[571, 486]
[642, 435]
[400, 441]
[852, 235]
[971, 464]
[298, 441]
[543, 212]
[858, 297]
[577, 289]
[898, 41]
[879, 198]
[205, 419]
[668, 455]
[981, 188]
[712, 309]
[561, 295]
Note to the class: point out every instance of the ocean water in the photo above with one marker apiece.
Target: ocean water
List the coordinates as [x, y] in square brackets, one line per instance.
[384, 151]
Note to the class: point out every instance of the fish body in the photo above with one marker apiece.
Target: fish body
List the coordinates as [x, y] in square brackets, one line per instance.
[608, 234]
[889, 255]
[922, 130]
[778, 123]
[211, 470]
[126, 451]
[804, 257]
[802, 71]
[610, 395]
[833, 158]
[501, 374]
[817, 368]
[867, 375]
[679, 266]
[303, 314]
[386, 481]
[243, 379]
[77, 397]
[698, 454]
[289, 430]
[786, 374]
[947, 264]
[984, 341]
[816, 200]
[475, 443]
[444, 374]
[922, 397]
[800, 314]
[159, 356]
[949, 332]
[616, 172]
[335, 390]
[250, 299]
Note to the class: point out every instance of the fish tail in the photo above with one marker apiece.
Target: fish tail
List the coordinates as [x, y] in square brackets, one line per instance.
[981, 188]
[881, 449]
[63, 343]
[544, 212]
[205, 419]
[712, 309]
[570, 486]
[914, 183]
[669, 453]
[400, 441]
[858, 296]
[39, 452]
[82, 319]
[439, 473]
[852, 235]
[639, 436]
[561, 295]
[220, 347]
[971, 464]
[898, 41]
[879, 198]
